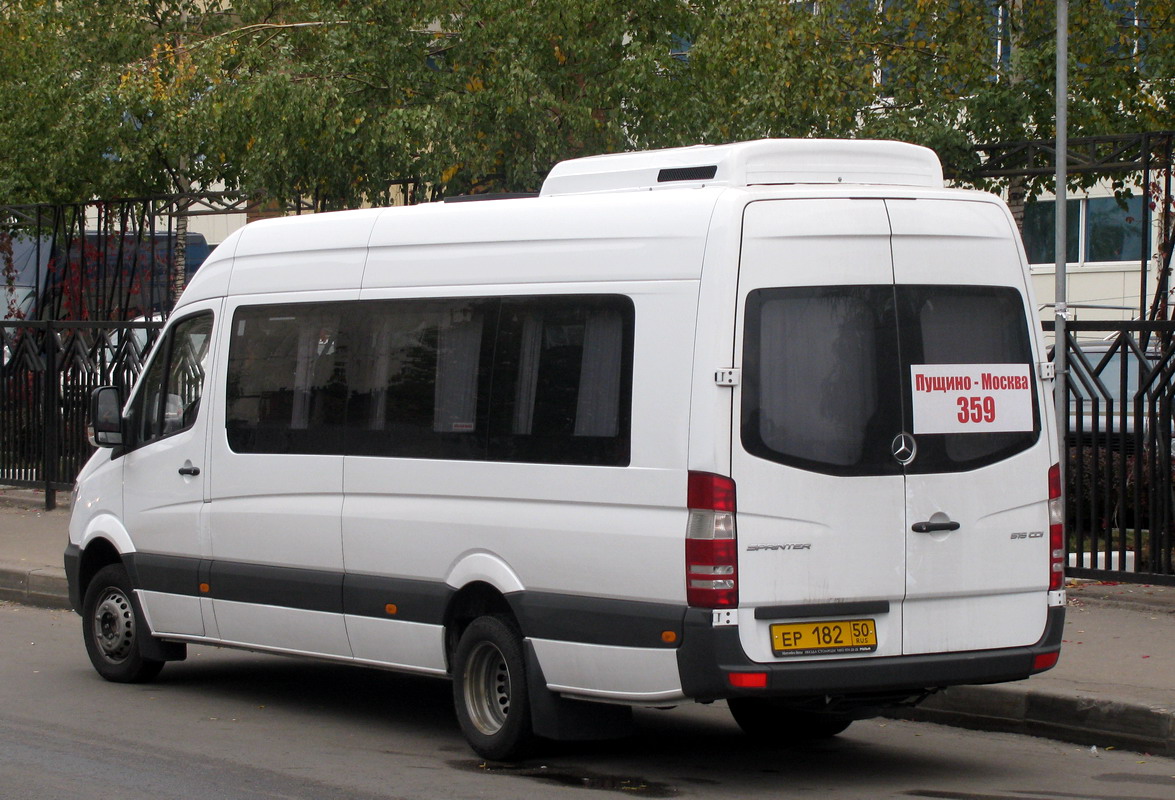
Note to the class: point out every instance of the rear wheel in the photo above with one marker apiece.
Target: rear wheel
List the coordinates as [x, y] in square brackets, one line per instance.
[111, 625]
[489, 689]
[769, 718]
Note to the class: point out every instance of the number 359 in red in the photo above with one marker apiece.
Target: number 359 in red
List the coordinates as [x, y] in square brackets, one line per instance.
[976, 409]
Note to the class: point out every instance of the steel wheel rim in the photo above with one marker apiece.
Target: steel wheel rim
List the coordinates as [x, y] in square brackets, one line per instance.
[114, 626]
[487, 688]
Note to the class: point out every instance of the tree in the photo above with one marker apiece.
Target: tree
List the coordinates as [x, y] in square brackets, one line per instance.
[325, 100]
[344, 102]
[520, 86]
[51, 133]
[103, 99]
[945, 74]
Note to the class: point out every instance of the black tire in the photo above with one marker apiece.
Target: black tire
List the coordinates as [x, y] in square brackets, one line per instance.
[767, 718]
[111, 625]
[490, 692]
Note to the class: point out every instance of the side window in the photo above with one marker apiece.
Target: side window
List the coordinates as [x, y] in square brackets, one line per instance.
[286, 379]
[170, 399]
[420, 377]
[563, 380]
[533, 379]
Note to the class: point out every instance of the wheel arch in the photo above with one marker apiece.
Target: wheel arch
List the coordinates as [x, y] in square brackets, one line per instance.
[475, 599]
[482, 581]
[104, 542]
[98, 553]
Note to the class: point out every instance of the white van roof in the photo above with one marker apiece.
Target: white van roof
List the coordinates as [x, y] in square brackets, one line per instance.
[434, 243]
[761, 162]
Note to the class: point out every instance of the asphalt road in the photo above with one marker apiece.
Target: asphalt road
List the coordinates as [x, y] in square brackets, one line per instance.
[227, 724]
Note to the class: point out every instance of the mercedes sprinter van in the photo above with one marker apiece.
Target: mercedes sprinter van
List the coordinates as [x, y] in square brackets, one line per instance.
[767, 423]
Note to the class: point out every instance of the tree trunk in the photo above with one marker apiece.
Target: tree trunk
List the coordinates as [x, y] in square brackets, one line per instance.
[179, 262]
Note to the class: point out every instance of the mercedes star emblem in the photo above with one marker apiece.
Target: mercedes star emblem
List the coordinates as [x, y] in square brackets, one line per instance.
[903, 448]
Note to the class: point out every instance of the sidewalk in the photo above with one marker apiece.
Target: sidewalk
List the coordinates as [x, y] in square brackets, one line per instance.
[32, 546]
[1114, 685]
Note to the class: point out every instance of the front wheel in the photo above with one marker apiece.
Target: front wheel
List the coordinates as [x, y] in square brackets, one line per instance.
[111, 625]
[489, 689]
[766, 718]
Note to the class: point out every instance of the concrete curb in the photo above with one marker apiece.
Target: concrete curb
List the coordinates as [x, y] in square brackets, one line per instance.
[1082, 720]
[1128, 602]
[41, 586]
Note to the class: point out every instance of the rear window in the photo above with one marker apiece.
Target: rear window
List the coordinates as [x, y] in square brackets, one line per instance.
[827, 369]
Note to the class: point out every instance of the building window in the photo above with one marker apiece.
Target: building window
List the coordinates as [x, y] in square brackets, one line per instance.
[1099, 230]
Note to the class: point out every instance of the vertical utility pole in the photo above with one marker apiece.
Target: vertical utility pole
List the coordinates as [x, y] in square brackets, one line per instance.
[183, 186]
[1060, 351]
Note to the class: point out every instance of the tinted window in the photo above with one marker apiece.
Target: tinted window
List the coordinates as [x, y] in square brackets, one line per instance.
[826, 372]
[169, 400]
[820, 378]
[285, 392]
[562, 380]
[536, 379]
[1114, 231]
[964, 325]
[419, 378]
[1040, 240]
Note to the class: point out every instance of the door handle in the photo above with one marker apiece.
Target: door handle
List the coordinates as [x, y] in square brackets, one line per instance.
[932, 527]
[189, 470]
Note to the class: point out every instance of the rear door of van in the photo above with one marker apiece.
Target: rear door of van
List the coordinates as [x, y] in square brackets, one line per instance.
[890, 465]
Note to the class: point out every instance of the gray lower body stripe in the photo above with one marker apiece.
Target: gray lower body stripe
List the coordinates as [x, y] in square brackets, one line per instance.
[597, 620]
[542, 615]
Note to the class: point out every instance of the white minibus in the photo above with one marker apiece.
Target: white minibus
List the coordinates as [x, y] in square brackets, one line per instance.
[767, 423]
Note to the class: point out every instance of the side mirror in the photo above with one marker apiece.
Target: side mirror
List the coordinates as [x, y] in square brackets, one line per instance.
[106, 417]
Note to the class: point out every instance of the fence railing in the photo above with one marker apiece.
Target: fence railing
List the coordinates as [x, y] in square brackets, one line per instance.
[1120, 493]
[48, 371]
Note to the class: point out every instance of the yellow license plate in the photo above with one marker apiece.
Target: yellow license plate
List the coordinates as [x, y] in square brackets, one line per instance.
[828, 638]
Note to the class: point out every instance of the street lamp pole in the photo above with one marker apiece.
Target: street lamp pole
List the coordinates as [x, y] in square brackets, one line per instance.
[1061, 308]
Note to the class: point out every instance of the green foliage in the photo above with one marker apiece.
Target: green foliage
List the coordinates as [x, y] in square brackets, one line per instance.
[523, 85]
[103, 99]
[341, 101]
[928, 71]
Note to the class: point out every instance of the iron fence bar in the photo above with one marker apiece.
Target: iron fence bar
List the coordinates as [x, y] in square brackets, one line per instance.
[49, 406]
[1136, 326]
[85, 324]
[1124, 153]
[1112, 575]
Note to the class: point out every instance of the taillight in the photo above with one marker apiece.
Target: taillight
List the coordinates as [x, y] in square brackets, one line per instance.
[1056, 530]
[711, 555]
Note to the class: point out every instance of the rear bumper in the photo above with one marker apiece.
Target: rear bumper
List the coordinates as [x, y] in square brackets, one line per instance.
[708, 655]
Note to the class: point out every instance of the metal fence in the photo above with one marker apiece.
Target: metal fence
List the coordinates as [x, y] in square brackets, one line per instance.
[48, 371]
[1120, 492]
